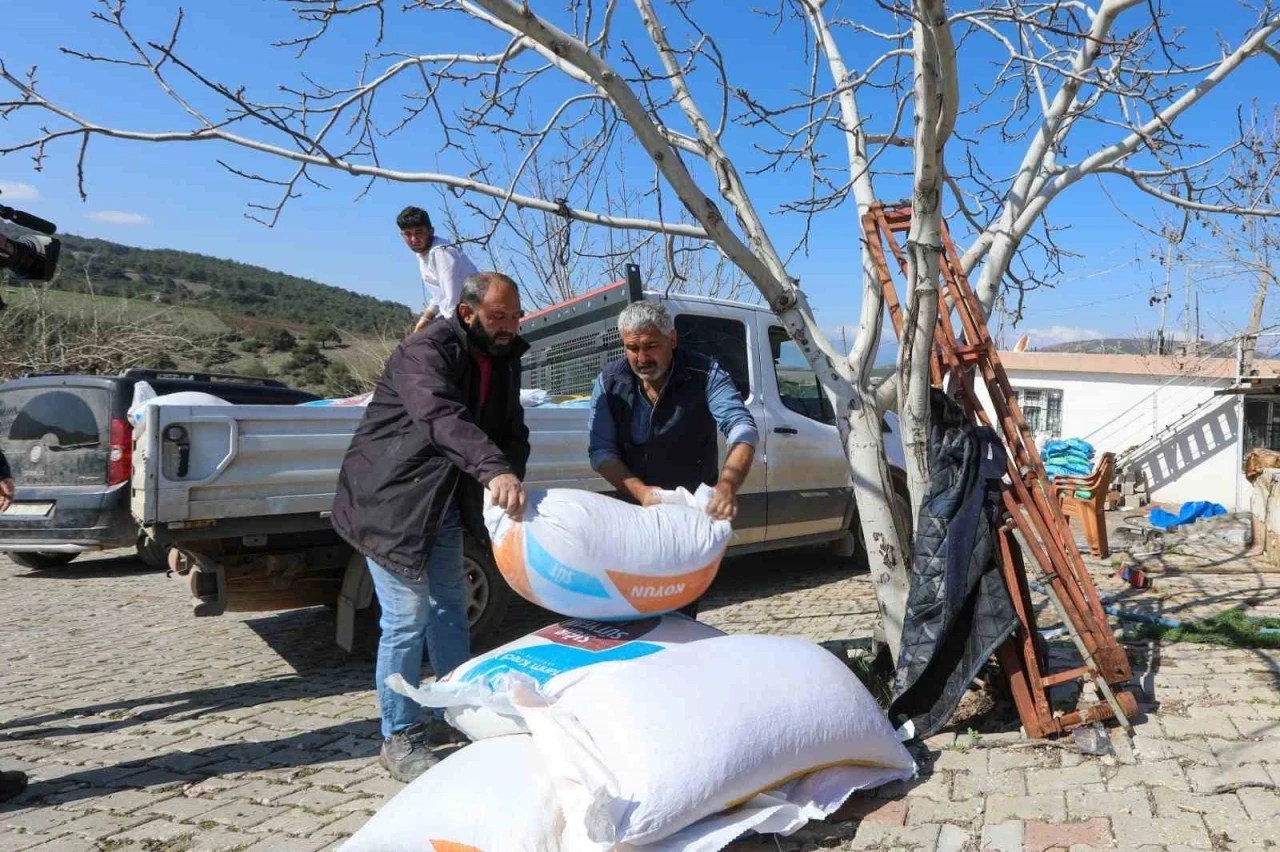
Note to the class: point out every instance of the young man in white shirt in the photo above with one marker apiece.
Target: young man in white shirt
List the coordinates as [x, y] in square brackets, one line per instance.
[442, 265]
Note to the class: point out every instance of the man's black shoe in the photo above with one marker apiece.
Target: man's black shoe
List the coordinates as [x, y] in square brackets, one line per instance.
[407, 755]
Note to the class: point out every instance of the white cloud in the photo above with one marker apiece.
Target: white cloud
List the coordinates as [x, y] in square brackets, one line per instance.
[12, 191]
[1041, 337]
[119, 217]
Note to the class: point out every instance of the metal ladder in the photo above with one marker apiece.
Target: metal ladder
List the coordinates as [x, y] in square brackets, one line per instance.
[963, 352]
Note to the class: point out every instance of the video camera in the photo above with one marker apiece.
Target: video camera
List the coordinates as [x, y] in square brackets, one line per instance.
[30, 257]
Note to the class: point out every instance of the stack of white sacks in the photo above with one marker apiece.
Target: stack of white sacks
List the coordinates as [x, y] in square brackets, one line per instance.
[651, 733]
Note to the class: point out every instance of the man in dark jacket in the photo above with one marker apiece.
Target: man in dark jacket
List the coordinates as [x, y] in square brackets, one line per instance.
[654, 417]
[13, 782]
[444, 423]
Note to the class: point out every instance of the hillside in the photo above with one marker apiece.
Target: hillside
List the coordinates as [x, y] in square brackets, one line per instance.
[227, 288]
[1100, 346]
[170, 309]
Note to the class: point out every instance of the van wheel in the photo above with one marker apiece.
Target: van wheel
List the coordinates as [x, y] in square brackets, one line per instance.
[42, 561]
[901, 506]
[152, 554]
[488, 594]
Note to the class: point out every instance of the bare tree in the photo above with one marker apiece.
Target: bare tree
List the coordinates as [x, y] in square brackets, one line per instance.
[658, 82]
[555, 258]
[1236, 248]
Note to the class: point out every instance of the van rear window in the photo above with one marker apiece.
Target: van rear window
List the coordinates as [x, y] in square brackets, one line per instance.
[56, 435]
[68, 416]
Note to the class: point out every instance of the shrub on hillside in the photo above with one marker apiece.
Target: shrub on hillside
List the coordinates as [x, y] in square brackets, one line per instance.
[280, 340]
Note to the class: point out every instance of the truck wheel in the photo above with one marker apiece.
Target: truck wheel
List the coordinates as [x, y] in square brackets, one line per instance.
[153, 555]
[488, 593]
[42, 561]
[902, 504]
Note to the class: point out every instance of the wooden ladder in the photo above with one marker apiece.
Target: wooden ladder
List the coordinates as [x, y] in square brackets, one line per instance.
[963, 351]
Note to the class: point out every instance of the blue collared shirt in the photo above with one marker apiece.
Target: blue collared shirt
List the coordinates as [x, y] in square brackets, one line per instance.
[730, 413]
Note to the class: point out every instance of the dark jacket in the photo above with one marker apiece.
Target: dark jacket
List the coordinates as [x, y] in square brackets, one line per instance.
[682, 450]
[425, 441]
[958, 609]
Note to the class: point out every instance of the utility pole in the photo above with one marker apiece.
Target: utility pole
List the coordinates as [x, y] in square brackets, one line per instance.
[1164, 303]
[1186, 319]
[1249, 343]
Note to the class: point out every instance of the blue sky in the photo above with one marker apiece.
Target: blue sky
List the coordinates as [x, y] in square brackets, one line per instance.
[176, 195]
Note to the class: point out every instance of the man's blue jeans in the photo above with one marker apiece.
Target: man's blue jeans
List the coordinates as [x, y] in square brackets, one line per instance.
[433, 609]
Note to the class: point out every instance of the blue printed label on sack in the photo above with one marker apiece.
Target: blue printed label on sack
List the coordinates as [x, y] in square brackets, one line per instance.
[543, 662]
[553, 570]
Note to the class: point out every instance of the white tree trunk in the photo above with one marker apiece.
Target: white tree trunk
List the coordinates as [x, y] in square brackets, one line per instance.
[934, 115]
[881, 518]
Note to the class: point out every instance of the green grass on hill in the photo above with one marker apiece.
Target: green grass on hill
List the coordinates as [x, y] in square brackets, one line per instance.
[118, 309]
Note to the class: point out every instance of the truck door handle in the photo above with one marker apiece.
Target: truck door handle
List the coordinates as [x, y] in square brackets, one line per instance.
[785, 430]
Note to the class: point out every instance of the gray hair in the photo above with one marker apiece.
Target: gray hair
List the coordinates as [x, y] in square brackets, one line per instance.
[640, 316]
[476, 285]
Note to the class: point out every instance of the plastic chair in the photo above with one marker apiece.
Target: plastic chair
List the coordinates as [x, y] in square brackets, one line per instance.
[1089, 510]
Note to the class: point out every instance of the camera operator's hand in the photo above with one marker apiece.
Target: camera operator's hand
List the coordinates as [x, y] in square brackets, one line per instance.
[6, 494]
[507, 492]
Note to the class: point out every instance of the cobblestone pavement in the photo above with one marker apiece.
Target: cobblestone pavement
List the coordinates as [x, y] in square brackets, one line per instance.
[145, 729]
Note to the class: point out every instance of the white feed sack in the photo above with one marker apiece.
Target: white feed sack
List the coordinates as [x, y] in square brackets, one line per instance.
[588, 555]
[679, 751]
[145, 396]
[641, 751]
[492, 796]
[476, 693]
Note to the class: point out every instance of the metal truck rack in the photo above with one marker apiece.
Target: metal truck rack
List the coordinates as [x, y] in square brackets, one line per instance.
[572, 341]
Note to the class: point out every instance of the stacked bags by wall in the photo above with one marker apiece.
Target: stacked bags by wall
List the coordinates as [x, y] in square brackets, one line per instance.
[1072, 457]
[589, 555]
[686, 749]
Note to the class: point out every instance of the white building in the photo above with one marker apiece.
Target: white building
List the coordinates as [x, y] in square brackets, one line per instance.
[1187, 440]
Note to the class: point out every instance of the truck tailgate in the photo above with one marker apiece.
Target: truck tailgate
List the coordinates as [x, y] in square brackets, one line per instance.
[203, 463]
[196, 463]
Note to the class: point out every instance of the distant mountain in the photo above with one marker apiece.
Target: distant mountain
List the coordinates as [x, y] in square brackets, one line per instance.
[226, 287]
[1100, 346]
[1144, 346]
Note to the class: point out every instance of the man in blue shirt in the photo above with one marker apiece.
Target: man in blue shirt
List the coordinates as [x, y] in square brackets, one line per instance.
[655, 413]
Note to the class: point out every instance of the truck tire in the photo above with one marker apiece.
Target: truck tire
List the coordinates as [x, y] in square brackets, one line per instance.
[489, 594]
[42, 561]
[902, 504]
[153, 555]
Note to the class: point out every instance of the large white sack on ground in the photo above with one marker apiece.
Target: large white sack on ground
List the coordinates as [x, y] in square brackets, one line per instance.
[476, 696]
[643, 750]
[492, 796]
[587, 555]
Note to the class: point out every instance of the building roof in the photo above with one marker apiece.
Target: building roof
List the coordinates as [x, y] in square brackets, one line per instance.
[1131, 365]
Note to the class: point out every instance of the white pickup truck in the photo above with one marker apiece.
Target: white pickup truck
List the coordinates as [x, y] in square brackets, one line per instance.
[242, 493]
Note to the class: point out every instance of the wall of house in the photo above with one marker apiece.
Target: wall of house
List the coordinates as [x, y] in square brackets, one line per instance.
[1115, 412]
